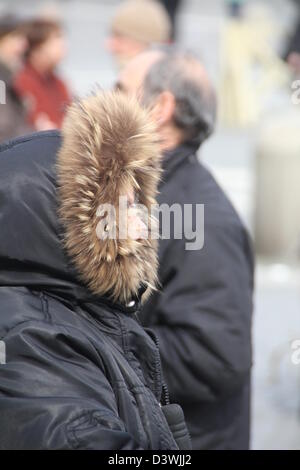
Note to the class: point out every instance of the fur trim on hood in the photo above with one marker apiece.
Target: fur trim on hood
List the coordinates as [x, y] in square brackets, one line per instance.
[109, 145]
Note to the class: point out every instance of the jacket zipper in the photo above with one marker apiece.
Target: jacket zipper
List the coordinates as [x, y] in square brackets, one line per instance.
[165, 396]
[165, 399]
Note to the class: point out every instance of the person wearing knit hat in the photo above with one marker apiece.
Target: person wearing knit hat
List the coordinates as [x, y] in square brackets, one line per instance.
[136, 25]
[12, 48]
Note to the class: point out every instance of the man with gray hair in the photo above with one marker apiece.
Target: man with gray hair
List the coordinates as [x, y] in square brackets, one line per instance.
[202, 313]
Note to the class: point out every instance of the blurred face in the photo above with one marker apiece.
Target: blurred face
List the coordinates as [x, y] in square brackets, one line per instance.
[123, 48]
[52, 51]
[12, 48]
[132, 76]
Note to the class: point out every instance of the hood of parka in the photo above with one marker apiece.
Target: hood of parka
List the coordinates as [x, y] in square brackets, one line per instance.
[51, 187]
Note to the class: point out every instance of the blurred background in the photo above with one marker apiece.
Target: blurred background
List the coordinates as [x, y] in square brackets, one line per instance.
[250, 49]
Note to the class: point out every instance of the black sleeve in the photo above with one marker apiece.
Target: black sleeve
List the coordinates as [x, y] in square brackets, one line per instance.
[203, 316]
[53, 395]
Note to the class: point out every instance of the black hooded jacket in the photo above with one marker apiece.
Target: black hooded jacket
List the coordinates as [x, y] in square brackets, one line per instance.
[202, 313]
[77, 370]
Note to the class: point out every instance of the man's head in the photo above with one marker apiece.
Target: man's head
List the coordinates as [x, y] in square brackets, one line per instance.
[177, 89]
[135, 26]
[132, 76]
[12, 41]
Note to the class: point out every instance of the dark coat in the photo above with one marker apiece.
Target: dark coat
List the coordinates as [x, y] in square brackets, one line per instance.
[202, 313]
[13, 122]
[80, 372]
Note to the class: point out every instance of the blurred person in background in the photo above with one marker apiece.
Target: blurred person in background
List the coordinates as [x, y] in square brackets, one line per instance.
[136, 25]
[203, 312]
[172, 7]
[46, 95]
[251, 69]
[13, 43]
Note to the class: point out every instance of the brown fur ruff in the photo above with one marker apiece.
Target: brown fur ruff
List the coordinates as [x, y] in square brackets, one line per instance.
[109, 145]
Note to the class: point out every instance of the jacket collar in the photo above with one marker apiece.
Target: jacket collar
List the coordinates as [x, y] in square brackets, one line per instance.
[176, 157]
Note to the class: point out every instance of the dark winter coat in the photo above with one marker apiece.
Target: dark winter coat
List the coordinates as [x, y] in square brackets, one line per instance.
[202, 313]
[77, 370]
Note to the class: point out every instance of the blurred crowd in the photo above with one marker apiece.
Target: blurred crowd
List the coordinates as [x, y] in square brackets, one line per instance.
[36, 98]
[31, 50]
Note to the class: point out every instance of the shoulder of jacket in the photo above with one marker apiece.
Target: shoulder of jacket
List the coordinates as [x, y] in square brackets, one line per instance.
[23, 308]
[34, 137]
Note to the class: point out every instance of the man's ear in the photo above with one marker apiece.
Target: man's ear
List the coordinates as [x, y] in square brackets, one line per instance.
[164, 108]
